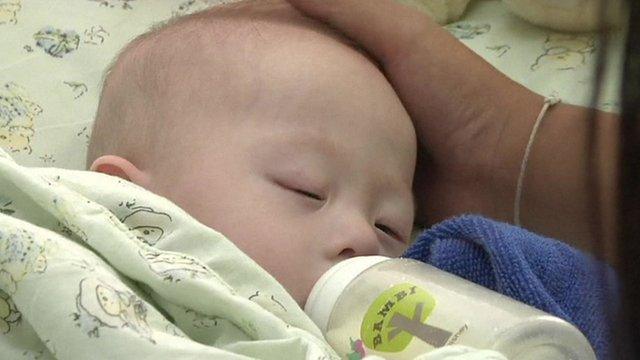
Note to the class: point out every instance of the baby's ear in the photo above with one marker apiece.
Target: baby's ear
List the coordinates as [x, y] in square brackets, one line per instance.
[117, 166]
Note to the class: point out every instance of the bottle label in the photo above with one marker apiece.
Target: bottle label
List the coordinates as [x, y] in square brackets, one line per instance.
[397, 316]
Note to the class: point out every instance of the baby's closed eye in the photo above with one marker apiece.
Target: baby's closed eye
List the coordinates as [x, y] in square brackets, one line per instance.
[389, 231]
[308, 194]
[307, 191]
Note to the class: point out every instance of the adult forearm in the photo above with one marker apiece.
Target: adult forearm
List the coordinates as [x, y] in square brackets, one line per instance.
[570, 183]
[558, 194]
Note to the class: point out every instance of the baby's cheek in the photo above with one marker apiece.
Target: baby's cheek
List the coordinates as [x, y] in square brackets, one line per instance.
[286, 252]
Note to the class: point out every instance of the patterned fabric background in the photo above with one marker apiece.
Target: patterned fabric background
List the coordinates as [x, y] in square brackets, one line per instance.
[53, 54]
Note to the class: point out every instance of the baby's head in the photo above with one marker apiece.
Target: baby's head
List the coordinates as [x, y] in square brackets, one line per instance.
[268, 127]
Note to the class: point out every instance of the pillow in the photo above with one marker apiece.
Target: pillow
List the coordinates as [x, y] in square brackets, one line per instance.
[544, 60]
[52, 59]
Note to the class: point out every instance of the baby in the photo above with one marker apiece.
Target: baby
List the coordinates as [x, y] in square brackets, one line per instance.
[269, 128]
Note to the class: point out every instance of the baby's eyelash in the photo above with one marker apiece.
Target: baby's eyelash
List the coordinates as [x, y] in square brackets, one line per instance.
[299, 191]
[308, 194]
[389, 231]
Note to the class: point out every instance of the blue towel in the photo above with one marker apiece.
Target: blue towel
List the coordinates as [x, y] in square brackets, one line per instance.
[542, 272]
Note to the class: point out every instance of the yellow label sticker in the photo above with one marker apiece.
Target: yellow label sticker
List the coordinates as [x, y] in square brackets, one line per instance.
[397, 316]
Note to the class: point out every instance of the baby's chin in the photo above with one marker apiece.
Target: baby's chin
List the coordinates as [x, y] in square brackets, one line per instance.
[301, 293]
[301, 298]
[302, 302]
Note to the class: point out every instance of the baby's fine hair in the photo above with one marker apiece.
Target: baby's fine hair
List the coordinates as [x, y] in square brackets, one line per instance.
[154, 71]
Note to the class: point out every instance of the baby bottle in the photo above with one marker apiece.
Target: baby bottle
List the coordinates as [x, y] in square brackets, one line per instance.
[401, 308]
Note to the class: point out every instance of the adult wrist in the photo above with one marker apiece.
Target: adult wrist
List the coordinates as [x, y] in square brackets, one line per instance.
[515, 111]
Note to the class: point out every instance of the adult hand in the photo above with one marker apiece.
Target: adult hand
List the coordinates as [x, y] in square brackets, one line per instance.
[451, 94]
[473, 124]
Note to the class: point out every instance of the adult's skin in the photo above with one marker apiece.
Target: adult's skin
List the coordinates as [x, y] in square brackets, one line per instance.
[473, 124]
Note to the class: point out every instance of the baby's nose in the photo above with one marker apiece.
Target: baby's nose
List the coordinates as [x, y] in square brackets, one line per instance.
[357, 238]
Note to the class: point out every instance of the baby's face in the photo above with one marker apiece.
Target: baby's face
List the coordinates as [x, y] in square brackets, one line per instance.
[315, 167]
